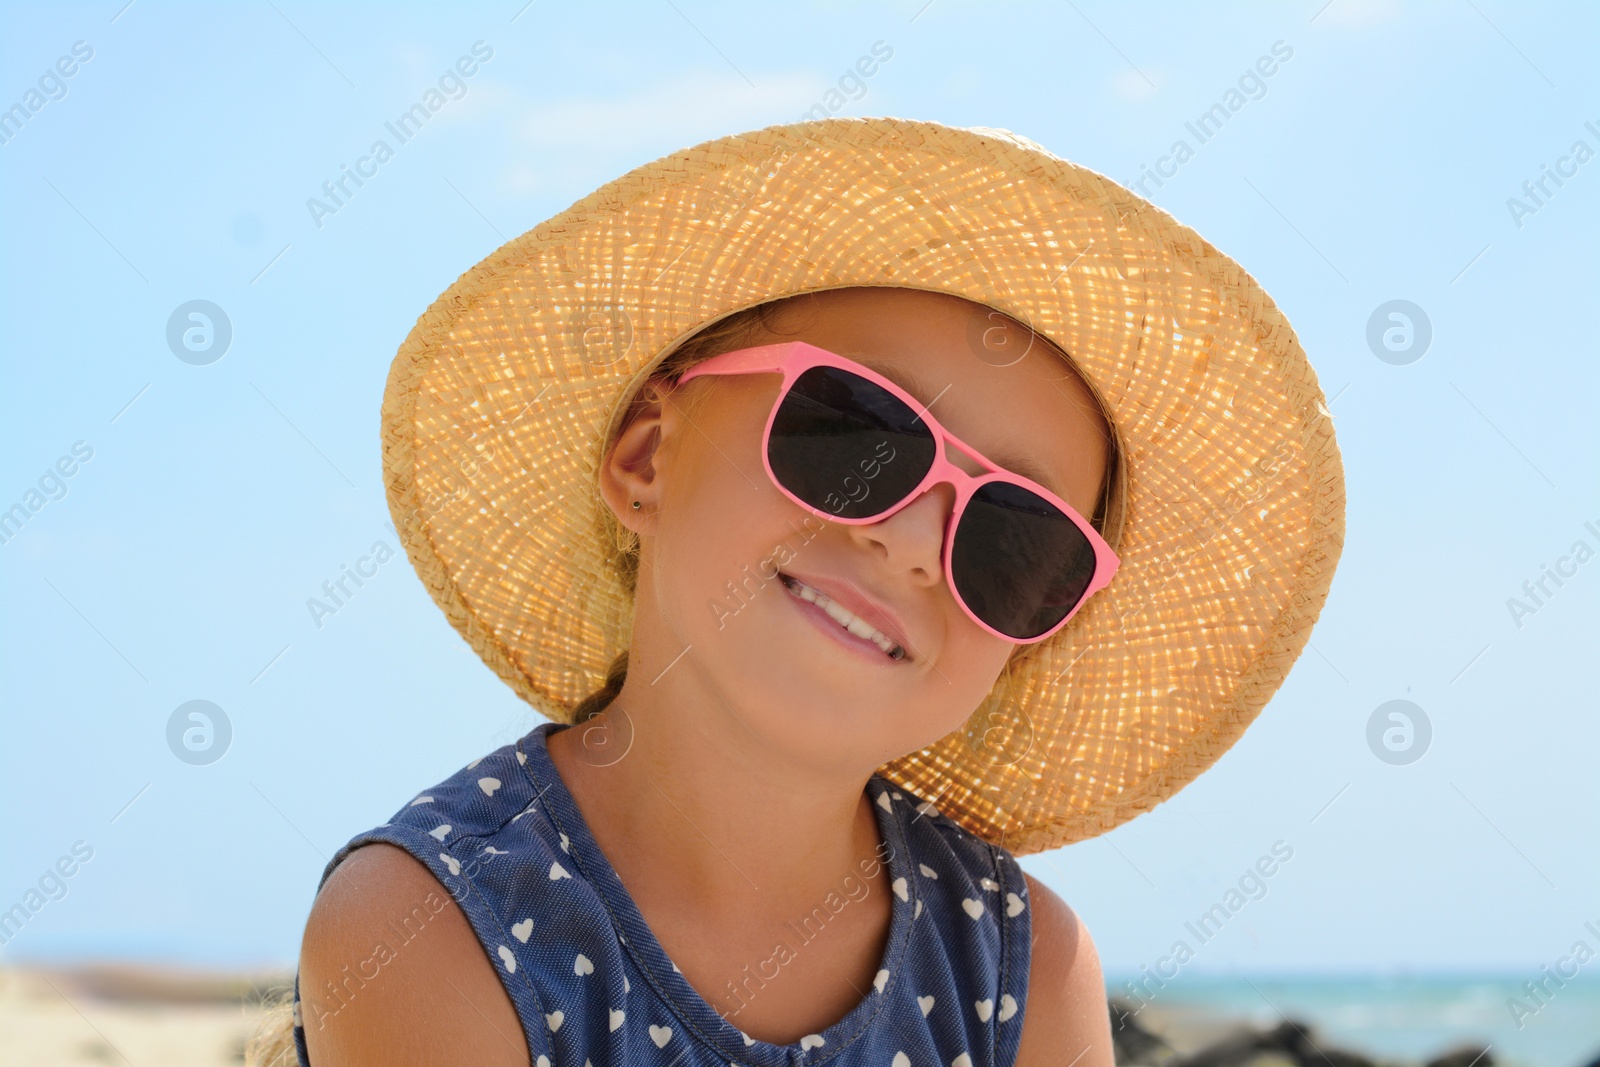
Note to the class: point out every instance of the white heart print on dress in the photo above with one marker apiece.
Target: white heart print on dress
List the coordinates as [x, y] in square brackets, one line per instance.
[927, 872]
[617, 1015]
[450, 862]
[488, 785]
[989, 883]
[558, 872]
[985, 1009]
[900, 1060]
[962, 1060]
[810, 1041]
[509, 959]
[899, 887]
[926, 1004]
[583, 965]
[422, 800]
[1008, 1007]
[881, 979]
[972, 907]
[522, 930]
[553, 1020]
[439, 832]
[660, 1035]
[1014, 905]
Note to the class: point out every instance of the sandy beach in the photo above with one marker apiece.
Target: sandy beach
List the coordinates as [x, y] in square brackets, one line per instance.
[187, 1018]
[137, 1014]
[126, 1015]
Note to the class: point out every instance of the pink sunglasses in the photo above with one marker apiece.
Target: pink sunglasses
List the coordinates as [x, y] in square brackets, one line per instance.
[848, 445]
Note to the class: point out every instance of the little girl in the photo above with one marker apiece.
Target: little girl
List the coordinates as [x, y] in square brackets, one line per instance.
[827, 518]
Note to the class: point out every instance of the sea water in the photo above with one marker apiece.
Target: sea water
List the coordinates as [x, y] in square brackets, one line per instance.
[1405, 1017]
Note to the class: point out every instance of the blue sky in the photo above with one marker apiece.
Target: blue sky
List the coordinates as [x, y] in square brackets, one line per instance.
[208, 502]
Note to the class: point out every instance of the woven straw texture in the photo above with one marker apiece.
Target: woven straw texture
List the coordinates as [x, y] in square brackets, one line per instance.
[502, 398]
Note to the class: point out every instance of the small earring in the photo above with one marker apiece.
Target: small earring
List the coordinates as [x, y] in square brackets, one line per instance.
[636, 505]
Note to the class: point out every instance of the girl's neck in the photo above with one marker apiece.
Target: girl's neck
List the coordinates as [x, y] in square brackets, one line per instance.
[703, 816]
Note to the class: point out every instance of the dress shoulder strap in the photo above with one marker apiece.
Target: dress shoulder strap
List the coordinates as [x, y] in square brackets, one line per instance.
[979, 947]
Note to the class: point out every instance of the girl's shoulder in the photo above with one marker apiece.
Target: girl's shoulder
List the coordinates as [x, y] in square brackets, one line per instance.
[405, 914]
[356, 976]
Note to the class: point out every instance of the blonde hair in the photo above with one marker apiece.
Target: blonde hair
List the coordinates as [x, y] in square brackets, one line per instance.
[272, 1042]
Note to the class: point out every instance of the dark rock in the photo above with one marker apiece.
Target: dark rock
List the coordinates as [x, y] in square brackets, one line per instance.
[1463, 1056]
[1133, 1044]
[1291, 1043]
[1291, 1040]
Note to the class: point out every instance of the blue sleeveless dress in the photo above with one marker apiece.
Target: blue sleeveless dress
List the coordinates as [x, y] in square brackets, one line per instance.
[592, 986]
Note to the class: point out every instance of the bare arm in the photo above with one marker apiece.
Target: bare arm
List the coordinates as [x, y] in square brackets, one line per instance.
[391, 973]
[1066, 1020]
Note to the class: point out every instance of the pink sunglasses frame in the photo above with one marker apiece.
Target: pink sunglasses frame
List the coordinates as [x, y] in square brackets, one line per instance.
[793, 358]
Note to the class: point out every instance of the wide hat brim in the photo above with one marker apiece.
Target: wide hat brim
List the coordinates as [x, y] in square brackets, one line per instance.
[501, 399]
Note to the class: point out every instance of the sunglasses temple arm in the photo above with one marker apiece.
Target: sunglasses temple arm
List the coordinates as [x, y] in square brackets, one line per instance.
[764, 358]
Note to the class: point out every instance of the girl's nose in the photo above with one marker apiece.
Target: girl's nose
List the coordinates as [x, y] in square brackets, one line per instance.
[912, 539]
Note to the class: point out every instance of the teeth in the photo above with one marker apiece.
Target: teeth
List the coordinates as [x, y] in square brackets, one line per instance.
[850, 622]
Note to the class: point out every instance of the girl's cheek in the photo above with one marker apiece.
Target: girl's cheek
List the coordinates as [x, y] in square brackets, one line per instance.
[975, 654]
[726, 518]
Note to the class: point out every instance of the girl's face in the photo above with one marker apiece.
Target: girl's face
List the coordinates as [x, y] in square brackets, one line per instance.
[717, 537]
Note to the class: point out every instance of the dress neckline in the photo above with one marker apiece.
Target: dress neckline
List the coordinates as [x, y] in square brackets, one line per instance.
[702, 1020]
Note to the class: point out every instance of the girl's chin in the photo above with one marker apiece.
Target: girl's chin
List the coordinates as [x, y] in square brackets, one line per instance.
[805, 676]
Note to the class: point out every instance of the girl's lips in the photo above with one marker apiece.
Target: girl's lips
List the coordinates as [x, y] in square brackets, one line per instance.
[825, 622]
[842, 623]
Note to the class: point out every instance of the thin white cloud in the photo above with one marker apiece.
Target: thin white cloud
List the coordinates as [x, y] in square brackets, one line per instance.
[685, 109]
[484, 92]
[1359, 14]
[1131, 85]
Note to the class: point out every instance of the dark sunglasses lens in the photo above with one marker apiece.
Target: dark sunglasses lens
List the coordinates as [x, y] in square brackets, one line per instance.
[1018, 561]
[847, 447]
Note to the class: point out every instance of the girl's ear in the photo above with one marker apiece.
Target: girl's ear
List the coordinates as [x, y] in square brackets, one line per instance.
[628, 472]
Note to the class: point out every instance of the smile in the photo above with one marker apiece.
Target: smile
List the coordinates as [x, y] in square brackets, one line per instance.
[855, 625]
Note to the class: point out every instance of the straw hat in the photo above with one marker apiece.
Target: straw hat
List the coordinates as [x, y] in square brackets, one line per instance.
[502, 398]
